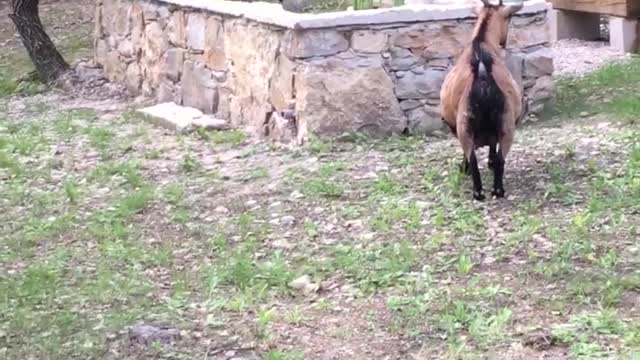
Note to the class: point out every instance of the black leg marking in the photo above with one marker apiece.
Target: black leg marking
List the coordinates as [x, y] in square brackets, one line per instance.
[492, 154]
[465, 167]
[475, 175]
[498, 174]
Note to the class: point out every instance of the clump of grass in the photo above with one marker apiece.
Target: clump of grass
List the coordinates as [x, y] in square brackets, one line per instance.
[71, 190]
[230, 137]
[190, 164]
[322, 187]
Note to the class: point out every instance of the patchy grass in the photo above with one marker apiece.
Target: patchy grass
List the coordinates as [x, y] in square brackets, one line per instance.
[610, 89]
[369, 247]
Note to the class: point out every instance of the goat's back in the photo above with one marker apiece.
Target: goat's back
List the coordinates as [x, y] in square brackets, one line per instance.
[458, 85]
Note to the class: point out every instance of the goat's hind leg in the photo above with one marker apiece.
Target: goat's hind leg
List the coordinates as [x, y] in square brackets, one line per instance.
[475, 176]
[496, 161]
[492, 154]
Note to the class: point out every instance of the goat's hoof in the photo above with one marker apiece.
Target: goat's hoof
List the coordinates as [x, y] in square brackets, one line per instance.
[478, 195]
[498, 193]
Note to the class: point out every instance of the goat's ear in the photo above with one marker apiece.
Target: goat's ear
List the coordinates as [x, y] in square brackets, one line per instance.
[512, 9]
[478, 6]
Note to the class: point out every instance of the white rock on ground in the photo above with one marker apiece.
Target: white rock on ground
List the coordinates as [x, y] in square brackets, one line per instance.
[181, 119]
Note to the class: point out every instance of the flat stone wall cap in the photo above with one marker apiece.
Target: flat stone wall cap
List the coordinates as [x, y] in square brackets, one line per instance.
[274, 14]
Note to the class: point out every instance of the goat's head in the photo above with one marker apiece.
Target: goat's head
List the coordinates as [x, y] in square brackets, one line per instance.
[497, 18]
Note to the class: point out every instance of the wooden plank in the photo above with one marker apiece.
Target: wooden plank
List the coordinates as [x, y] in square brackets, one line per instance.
[622, 8]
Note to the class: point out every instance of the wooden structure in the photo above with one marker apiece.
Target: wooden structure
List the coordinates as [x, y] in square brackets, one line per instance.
[581, 19]
[620, 8]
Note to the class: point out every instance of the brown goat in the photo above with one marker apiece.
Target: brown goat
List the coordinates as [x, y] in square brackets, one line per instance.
[480, 100]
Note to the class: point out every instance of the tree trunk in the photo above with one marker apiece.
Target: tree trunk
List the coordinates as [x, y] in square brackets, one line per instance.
[45, 57]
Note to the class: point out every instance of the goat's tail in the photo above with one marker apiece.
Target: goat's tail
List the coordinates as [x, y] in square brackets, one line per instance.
[486, 100]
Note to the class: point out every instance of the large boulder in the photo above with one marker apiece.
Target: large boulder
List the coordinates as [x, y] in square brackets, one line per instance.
[334, 97]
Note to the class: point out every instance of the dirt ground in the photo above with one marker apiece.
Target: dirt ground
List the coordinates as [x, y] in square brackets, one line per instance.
[123, 241]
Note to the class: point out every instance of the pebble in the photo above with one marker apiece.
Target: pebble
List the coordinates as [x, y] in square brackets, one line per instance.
[288, 220]
[221, 210]
[296, 195]
[584, 114]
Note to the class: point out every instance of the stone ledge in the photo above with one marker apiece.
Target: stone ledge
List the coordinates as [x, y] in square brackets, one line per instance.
[274, 14]
[181, 119]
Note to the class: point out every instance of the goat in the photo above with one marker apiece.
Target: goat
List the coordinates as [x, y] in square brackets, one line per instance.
[480, 101]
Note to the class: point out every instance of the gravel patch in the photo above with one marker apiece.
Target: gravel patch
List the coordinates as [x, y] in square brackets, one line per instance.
[579, 57]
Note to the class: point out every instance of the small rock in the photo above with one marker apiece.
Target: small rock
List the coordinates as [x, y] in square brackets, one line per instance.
[305, 285]
[146, 334]
[221, 210]
[296, 195]
[275, 204]
[353, 224]
[288, 220]
[282, 244]
[368, 236]
[584, 114]
[300, 283]
[210, 123]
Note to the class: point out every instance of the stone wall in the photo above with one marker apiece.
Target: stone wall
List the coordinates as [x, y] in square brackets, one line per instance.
[378, 71]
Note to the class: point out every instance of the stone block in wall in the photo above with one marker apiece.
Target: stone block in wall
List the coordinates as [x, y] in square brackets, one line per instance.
[528, 31]
[154, 11]
[403, 59]
[541, 95]
[155, 42]
[515, 63]
[419, 83]
[369, 41]
[176, 28]
[98, 28]
[137, 29]
[440, 63]
[114, 68]
[538, 63]
[252, 52]
[199, 89]
[169, 92]
[134, 79]
[335, 98]
[214, 55]
[310, 43]
[424, 119]
[121, 21]
[110, 12]
[101, 51]
[281, 84]
[172, 64]
[126, 50]
[436, 40]
[196, 31]
[225, 94]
